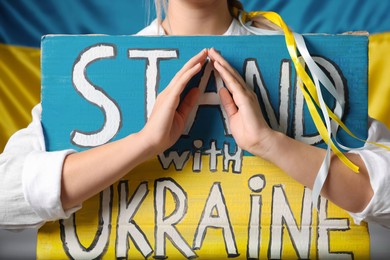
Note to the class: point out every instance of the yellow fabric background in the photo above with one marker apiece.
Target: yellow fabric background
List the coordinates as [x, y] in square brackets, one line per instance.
[379, 77]
[19, 88]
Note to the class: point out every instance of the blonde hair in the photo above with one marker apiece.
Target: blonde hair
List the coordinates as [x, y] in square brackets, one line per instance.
[234, 4]
[161, 8]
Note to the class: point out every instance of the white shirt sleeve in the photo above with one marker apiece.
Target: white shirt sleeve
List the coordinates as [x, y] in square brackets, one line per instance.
[30, 186]
[30, 177]
[377, 161]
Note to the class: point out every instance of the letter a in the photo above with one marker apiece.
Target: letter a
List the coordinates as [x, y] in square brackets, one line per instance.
[216, 202]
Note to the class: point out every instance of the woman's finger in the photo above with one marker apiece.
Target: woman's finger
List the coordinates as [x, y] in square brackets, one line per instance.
[231, 82]
[188, 103]
[198, 58]
[215, 56]
[201, 56]
[227, 102]
[183, 80]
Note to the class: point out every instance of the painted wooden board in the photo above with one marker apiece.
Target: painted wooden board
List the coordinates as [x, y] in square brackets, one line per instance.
[204, 197]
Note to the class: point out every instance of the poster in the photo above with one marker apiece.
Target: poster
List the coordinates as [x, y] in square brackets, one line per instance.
[204, 197]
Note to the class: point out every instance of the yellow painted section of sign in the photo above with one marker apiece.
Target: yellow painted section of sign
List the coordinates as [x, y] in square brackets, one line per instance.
[332, 231]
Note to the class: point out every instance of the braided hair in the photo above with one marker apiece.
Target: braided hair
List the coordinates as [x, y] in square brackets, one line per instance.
[234, 5]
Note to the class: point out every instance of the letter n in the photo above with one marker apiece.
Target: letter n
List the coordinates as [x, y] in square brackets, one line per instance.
[282, 216]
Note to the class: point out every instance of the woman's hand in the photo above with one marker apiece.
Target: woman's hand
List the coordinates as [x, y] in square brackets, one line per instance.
[103, 165]
[246, 120]
[297, 159]
[168, 118]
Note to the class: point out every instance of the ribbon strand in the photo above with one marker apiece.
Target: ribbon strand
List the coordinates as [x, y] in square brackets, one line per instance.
[311, 92]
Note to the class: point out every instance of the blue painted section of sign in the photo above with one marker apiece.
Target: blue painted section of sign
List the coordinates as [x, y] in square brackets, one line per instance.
[124, 80]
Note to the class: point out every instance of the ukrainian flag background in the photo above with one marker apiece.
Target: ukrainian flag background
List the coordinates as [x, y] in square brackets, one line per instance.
[23, 22]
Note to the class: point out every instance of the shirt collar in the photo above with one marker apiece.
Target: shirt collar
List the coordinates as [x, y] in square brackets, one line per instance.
[235, 28]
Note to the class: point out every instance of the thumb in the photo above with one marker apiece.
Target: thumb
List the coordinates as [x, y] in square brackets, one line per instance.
[188, 103]
[227, 102]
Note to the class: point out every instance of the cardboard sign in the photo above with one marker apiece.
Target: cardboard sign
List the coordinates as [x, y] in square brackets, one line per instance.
[204, 197]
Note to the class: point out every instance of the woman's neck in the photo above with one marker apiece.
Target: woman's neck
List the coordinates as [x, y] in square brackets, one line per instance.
[197, 17]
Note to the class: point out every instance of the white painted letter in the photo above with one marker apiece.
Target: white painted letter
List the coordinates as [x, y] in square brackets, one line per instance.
[299, 120]
[165, 225]
[214, 153]
[152, 72]
[126, 225]
[216, 201]
[208, 98]
[325, 225]
[98, 247]
[256, 184]
[96, 96]
[282, 215]
[235, 158]
[253, 75]
[179, 161]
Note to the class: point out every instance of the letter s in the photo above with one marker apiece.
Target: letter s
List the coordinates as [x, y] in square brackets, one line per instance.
[96, 96]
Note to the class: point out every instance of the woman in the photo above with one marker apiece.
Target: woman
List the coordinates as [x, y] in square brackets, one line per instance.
[46, 186]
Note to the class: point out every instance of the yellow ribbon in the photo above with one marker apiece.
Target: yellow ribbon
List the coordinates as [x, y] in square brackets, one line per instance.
[309, 92]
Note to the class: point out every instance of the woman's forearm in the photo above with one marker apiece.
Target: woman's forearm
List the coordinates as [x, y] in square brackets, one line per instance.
[87, 173]
[347, 189]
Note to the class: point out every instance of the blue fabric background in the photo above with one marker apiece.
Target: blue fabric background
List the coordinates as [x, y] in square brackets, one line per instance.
[23, 22]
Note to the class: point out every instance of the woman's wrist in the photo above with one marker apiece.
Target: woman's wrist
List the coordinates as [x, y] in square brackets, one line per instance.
[268, 147]
[145, 146]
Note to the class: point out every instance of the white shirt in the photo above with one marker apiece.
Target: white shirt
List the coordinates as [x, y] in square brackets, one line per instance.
[154, 29]
[30, 186]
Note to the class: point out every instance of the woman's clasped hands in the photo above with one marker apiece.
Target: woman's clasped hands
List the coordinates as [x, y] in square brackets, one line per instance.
[169, 116]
